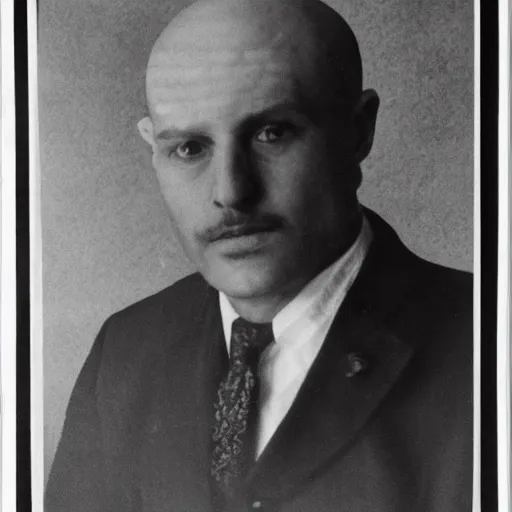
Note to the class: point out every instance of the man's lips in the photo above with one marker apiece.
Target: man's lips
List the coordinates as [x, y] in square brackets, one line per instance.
[241, 231]
[233, 227]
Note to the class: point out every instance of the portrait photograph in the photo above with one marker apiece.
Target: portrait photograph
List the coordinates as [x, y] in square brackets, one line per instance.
[257, 223]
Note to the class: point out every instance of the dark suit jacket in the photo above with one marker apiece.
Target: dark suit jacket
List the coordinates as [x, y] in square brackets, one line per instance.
[394, 437]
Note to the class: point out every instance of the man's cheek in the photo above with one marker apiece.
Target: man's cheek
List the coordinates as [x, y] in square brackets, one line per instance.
[180, 230]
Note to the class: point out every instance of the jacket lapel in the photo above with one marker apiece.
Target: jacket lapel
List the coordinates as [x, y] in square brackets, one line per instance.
[362, 357]
[176, 461]
[212, 363]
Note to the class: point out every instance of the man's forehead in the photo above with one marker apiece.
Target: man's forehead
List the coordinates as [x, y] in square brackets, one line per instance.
[223, 93]
[201, 78]
[187, 67]
[191, 64]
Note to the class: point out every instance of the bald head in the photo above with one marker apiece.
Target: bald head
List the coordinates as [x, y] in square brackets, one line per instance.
[307, 38]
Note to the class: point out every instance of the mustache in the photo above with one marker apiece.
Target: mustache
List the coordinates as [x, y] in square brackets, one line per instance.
[236, 224]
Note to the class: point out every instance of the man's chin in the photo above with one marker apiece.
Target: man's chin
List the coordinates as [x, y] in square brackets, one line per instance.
[244, 278]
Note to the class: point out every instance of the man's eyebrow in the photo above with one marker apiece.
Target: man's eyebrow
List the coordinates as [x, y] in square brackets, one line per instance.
[250, 120]
[274, 112]
[175, 132]
[279, 109]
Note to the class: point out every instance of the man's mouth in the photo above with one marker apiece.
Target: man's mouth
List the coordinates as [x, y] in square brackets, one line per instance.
[242, 231]
[242, 240]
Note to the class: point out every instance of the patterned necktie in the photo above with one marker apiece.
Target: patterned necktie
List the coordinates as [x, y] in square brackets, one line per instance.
[236, 405]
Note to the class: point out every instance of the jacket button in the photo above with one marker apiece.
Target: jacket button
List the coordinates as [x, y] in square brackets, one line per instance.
[257, 505]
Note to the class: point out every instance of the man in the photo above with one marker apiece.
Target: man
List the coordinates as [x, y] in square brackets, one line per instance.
[348, 381]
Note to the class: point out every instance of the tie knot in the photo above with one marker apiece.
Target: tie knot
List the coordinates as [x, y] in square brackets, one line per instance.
[249, 340]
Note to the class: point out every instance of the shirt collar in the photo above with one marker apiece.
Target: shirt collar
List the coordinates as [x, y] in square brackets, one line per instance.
[318, 299]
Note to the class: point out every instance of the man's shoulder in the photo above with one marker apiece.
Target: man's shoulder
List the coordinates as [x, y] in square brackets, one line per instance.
[178, 297]
[411, 277]
[444, 284]
[172, 310]
[133, 340]
[451, 280]
[436, 315]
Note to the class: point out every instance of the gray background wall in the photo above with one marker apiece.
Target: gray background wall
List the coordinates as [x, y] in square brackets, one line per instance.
[106, 238]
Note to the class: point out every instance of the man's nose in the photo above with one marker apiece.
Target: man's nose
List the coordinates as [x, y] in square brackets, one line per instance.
[236, 182]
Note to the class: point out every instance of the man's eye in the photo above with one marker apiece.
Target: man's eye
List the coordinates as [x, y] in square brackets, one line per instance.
[272, 133]
[188, 150]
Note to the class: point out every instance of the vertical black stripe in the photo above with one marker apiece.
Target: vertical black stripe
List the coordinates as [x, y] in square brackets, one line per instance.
[23, 480]
[489, 205]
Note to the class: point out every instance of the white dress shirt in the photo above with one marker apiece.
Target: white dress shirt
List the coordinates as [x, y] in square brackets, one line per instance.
[300, 329]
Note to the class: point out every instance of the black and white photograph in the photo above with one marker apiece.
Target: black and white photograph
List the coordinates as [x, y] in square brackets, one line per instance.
[257, 223]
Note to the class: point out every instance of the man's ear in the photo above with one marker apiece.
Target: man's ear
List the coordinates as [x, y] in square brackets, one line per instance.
[365, 117]
[145, 126]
